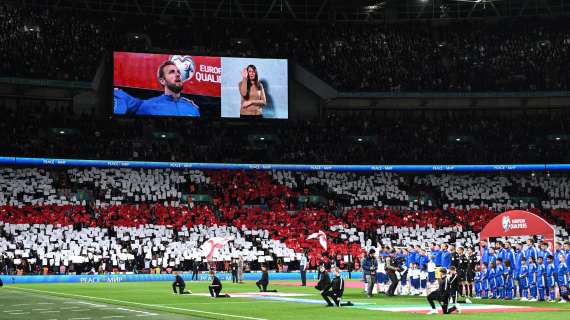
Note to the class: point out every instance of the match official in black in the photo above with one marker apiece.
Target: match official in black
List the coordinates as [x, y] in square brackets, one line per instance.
[195, 269]
[180, 284]
[216, 287]
[234, 267]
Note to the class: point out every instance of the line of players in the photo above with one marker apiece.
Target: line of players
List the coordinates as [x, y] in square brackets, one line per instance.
[525, 271]
[418, 270]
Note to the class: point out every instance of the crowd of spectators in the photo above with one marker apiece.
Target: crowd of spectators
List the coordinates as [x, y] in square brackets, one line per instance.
[513, 54]
[54, 45]
[264, 208]
[398, 138]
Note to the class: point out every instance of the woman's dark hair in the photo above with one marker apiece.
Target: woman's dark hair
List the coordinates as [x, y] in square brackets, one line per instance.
[255, 80]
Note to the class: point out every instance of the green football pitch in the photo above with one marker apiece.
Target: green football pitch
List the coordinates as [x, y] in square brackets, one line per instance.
[154, 300]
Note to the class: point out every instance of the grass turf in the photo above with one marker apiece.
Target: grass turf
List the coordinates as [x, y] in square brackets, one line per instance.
[154, 300]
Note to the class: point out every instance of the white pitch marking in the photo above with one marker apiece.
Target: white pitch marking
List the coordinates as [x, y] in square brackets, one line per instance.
[46, 303]
[39, 309]
[70, 308]
[137, 303]
[93, 304]
[225, 302]
[13, 311]
[143, 312]
[113, 317]
[20, 304]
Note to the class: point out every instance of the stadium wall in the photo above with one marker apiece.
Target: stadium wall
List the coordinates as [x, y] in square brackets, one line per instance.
[118, 278]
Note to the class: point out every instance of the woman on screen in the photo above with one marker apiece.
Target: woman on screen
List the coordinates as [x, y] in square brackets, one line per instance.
[252, 94]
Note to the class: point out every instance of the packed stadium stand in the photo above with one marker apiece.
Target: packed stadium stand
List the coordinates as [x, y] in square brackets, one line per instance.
[93, 220]
[486, 136]
[508, 55]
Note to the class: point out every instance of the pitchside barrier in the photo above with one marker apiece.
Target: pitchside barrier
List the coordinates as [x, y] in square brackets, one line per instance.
[117, 278]
[48, 162]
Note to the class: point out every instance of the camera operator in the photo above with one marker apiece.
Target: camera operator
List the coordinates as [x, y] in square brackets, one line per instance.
[393, 265]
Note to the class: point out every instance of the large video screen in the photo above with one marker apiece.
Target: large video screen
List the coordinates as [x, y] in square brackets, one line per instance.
[147, 84]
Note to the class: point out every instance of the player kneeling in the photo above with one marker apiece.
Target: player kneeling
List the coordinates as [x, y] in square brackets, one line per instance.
[263, 283]
[180, 284]
[216, 287]
[447, 288]
[335, 291]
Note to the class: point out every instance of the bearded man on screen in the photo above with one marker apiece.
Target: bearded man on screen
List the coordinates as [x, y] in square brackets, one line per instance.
[170, 103]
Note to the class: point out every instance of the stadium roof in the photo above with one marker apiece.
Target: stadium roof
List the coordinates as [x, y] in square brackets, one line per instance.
[316, 10]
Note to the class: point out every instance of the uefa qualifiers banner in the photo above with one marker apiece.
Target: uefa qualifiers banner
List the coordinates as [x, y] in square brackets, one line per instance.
[48, 162]
[118, 278]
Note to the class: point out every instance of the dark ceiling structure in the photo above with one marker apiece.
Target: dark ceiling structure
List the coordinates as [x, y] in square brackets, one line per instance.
[314, 10]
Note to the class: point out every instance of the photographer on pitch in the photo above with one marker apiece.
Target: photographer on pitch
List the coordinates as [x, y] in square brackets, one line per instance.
[369, 266]
[392, 266]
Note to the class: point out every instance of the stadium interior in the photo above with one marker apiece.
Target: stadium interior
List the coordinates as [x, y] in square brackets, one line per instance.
[410, 126]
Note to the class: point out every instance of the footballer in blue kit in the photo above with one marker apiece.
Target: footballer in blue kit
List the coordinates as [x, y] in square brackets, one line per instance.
[499, 279]
[170, 103]
[523, 279]
[477, 283]
[550, 280]
[445, 257]
[557, 252]
[530, 250]
[541, 278]
[562, 278]
[532, 279]
[508, 276]
[567, 252]
[484, 281]
[518, 255]
[491, 279]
